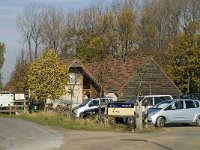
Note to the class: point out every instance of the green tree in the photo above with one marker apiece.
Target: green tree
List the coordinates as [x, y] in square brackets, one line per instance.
[126, 27]
[46, 77]
[184, 55]
[146, 34]
[2, 51]
[92, 48]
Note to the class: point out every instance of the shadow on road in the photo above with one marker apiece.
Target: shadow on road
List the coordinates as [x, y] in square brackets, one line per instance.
[143, 140]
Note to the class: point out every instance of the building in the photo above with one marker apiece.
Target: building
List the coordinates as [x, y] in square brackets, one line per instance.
[119, 79]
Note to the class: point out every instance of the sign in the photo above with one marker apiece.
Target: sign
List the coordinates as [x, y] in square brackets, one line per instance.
[120, 109]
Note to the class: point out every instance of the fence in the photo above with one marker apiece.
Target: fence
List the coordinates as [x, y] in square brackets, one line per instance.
[17, 107]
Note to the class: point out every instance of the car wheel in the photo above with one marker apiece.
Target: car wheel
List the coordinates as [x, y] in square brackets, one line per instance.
[160, 122]
[81, 115]
[197, 122]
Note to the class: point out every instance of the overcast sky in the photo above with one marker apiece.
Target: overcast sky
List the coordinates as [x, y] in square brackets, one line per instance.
[9, 34]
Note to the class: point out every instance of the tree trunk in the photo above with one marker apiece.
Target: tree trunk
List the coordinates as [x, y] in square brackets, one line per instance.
[139, 122]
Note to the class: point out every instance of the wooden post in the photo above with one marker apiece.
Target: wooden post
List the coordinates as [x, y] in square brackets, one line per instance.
[24, 104]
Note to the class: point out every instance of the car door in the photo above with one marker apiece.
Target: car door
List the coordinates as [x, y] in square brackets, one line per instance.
[191, 110]
[93, 104]
[174, 113]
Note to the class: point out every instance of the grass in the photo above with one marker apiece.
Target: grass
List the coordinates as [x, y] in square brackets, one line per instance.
[64, 121]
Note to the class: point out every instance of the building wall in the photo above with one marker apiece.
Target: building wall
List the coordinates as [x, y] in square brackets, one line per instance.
[74, 89]
[77, 95]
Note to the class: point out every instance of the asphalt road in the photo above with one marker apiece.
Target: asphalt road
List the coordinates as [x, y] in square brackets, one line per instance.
[17, 134]
[22, 135]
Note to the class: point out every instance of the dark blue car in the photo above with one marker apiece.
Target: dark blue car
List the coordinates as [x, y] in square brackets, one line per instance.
[92, 112]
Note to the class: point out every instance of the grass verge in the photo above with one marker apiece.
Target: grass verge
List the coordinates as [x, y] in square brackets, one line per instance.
[64, 121]
[60, 120]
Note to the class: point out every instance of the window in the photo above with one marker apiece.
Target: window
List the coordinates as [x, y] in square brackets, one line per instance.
[190, 104]
[179, 105]
[74, 78]
[160, 99]
[169, 107]
[94, 103]
[196, 103]
[147, 101]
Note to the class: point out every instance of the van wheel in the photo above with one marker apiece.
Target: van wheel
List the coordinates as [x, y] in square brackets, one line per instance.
[197, 122]
[160, 122]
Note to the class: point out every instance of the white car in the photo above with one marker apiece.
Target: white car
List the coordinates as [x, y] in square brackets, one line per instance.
[175, 111]
[90, 103]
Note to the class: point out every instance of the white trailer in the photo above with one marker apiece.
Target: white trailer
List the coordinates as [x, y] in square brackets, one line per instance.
[6, 99]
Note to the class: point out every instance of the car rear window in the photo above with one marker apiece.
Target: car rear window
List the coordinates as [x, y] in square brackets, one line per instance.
[191, 104]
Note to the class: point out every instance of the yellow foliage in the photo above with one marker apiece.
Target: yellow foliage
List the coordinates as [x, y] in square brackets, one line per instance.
[46, 77]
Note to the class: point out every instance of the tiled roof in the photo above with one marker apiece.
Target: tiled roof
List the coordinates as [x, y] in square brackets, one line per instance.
[117, 72]
[9, 87]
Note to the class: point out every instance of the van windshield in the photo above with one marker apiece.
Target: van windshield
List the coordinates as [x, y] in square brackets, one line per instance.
[161, 104]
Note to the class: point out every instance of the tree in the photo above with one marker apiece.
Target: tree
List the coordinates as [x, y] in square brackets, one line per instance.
[53, 29]
[96, 49]
[2, 51]
[126, 24]
[46, 77]
[19, 75]
[29, 23]
[92, 48]
[184, 55]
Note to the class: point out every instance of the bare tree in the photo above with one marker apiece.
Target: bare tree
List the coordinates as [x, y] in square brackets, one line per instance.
[53, 25]
[30, 26]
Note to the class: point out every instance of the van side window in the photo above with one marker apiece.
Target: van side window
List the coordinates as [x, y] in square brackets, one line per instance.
[103, 100]
[148, 101]
[190, 104]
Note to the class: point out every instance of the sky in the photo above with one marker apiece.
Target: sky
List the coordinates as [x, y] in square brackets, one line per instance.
[11, 36]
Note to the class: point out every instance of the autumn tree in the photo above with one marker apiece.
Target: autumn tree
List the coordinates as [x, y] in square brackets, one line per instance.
[184, 55]
[46, 77]
[19, 75]
[2, 51]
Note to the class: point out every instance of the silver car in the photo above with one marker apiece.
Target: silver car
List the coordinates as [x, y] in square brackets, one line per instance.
[175, 111]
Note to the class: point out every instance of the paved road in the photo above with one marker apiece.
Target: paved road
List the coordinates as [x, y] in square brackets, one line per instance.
[17, 134]
[21, 135]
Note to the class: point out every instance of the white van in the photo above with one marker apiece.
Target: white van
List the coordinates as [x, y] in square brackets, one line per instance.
[150, 100]
[90, 103]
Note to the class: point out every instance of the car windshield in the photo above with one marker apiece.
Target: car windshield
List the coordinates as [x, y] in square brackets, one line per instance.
[161, 104]
[85, 102]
